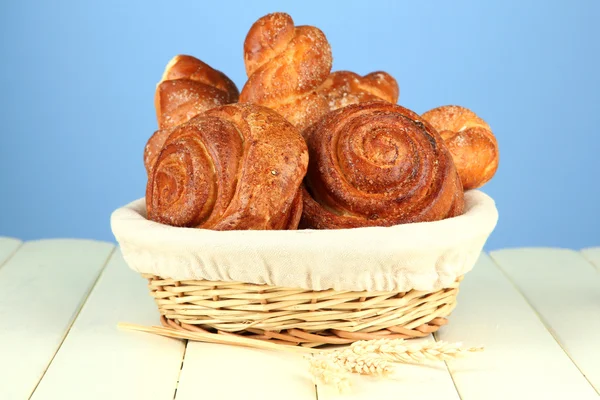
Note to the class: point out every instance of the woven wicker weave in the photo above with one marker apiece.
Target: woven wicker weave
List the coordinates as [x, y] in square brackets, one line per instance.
[298, 316]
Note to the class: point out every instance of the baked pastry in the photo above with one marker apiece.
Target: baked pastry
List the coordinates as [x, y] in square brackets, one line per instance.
[238, 166]
[343, 88]
[377, 164]
[189, 87]
[154, 145]
[285, 66]
[471, 142]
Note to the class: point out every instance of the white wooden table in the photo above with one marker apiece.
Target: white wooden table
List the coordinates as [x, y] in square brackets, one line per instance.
[61, 300]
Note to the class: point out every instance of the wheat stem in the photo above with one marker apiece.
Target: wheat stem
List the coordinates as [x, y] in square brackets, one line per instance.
[334, 367]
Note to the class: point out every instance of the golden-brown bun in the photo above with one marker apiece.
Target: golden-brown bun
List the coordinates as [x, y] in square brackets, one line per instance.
[154, 146]
[285, 65]
[471, 142]
[189, 87]
[238, 166]
[343, 88]
[377, 164]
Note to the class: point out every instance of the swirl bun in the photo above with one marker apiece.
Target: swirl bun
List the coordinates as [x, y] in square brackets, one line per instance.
[238, 166]
[377, 164]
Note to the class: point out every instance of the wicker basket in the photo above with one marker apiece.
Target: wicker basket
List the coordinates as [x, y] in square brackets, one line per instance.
[297, 316]
[291, 308]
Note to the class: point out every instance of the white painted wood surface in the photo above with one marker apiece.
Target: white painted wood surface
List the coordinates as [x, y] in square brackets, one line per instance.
[564, 289]
[541, 336]
[42, 287]
[230, 373]
[7, 248]
[99, 361]
[521, 359]
[224, 372]
[592, 254]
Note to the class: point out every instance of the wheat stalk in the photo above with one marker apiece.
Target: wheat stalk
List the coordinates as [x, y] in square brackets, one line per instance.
[215, 338]
[334, 367]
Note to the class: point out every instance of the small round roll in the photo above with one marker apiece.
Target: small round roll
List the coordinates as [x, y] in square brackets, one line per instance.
[343, 88]
[285, 65]
[470, 140]
[188, 87]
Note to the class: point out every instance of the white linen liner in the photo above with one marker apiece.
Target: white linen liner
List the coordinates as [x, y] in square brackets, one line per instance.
[424, 256]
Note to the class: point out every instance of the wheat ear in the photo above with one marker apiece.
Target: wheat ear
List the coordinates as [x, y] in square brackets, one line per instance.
[398, 351]
[326, 371]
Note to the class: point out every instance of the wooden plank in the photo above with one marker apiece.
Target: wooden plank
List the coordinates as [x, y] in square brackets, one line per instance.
[42, 287]
[258, 374]
[521, 358]
[7, 248]
[427, 381]
[99, 361]
[215, 371]
[564, 289]
[592, 254]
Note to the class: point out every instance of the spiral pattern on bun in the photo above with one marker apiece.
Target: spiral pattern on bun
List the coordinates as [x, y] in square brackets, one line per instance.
[238, 166]
[377, 164]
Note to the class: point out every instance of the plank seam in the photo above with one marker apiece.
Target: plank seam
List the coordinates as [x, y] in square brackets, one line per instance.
[72, 322]
[589, 260]
[541, 318]
[449, 371]
[12, 254]
[586, 260]
[180, 368]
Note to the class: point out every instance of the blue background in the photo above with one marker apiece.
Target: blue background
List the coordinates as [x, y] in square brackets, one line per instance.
[78, 81]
